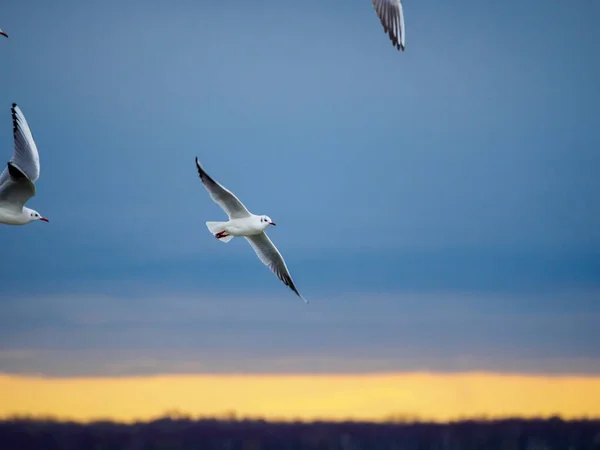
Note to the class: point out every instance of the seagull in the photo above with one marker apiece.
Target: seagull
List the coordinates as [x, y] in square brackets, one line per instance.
[243, 223]
[391, 15]
[16, 181]
[3, 33]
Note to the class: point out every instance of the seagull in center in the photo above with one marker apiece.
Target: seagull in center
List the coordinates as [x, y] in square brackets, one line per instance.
[243, 223]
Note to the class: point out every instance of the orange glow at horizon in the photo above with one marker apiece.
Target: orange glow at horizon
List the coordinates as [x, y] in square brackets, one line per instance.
[430, 396]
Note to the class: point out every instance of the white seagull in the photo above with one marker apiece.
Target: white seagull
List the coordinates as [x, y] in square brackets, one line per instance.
[391, 16]
[3, 33]
[243, 223]
[16, 181]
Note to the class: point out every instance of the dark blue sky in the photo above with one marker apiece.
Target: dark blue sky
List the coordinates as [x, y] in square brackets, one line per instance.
[437, 206]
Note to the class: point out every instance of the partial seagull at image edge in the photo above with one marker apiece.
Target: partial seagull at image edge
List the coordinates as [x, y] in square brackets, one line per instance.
[243, 223]
[18, 178]
[391, 16]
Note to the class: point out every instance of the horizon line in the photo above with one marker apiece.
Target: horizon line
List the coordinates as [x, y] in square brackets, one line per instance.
[400, 419]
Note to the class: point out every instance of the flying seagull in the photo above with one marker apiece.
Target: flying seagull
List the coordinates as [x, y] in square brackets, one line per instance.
[391, 15]
[3, 33]
[243, 223]
[18, 178]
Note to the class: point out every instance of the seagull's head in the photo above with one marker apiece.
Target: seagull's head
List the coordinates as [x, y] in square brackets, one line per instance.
[33, 215]
[266, 221]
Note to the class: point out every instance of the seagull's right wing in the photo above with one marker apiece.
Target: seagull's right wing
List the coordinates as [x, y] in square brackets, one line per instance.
[16, 189]
[391, 16]
[270, 257]
[222, 196]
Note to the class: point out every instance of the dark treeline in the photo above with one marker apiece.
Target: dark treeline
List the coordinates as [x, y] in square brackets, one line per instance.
[187, 434]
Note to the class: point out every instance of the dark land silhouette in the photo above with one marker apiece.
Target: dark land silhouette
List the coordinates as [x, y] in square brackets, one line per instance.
[177, 433]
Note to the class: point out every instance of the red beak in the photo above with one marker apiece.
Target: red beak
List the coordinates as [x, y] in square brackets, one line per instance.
[44, 219]
[272, 223]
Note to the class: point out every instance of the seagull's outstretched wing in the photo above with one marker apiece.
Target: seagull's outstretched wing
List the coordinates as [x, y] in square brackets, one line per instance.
[391, 16]
[25, 156]
[270, 256]
[222, 196]
[23, 169]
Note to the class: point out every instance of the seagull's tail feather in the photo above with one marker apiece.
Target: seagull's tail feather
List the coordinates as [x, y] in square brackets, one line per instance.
[217, 227]
[226, 239]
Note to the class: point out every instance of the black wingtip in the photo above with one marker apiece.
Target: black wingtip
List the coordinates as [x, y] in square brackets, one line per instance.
[287, 280]
[14, 117]
[301, 296]
[13, 111]
[203, 175]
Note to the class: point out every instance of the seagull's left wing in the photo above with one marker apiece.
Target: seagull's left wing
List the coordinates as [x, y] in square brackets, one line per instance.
[391, 15]
[222, 196]
[270, 256]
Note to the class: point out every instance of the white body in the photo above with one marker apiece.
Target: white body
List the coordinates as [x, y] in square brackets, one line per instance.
[8, 217]
[247, 226]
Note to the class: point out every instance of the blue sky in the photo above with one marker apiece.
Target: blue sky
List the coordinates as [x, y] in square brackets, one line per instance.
[437, 206]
